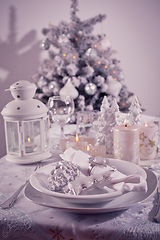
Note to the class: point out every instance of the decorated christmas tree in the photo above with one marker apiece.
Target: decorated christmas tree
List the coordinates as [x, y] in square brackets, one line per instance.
[134, 116]
[80, 64]
[109, 117]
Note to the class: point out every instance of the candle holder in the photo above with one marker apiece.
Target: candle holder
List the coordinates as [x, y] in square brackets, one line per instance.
[96, 150]
[126, 143]
[148, 139]
[26, 125]
[78, 142]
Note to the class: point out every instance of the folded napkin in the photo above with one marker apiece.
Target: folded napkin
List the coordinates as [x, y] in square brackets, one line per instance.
[81, 159]
[116, 181]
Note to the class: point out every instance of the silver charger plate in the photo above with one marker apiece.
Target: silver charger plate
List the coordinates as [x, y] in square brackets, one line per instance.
[122, 202]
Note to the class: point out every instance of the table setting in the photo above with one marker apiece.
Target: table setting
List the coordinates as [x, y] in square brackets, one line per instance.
[75, 183]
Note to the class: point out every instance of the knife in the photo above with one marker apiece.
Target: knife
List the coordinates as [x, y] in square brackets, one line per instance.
[157, 213]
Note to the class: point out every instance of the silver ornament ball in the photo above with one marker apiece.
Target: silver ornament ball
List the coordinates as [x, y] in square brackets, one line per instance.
[90, 88]
[54, 87]
[45, 45]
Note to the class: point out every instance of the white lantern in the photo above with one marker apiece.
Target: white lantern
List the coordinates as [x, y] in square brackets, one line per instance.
[26, 125]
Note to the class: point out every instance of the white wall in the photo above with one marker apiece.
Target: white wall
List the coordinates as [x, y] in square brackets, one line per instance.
[131, 25]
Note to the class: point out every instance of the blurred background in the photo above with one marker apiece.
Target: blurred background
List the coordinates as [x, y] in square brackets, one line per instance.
[131, 26]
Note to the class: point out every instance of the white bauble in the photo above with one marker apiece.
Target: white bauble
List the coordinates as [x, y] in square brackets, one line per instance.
[104, 88]
[72, 69]
[89, 108]
[114, 86]
[103, 44]
[69, 90]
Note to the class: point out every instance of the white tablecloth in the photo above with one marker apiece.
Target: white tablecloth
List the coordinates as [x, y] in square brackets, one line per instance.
[27, 220]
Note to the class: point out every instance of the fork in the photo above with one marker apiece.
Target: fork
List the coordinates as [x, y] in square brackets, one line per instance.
[157, 214]
[12, 199]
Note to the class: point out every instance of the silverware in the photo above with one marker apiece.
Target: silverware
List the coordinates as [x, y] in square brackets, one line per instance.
[157, 214]
[11, 200]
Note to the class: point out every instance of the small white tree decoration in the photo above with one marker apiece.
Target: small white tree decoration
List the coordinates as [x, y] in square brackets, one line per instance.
[134, 116]
[108, 118]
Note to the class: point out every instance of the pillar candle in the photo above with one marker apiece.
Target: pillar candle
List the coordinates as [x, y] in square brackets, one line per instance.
[148, 137]
[126, 143]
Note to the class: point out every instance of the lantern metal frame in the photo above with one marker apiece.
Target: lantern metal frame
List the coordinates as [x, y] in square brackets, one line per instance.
[23, 116]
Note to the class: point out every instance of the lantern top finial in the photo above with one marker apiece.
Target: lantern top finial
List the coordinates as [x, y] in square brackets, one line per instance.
[24, 107]
[22, 90]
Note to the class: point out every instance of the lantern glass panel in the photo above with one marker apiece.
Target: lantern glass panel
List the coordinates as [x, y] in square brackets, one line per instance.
[12, 137]
[46, 132]
[32, 137]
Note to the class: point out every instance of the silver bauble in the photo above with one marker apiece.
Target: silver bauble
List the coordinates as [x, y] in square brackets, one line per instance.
[91, 52]
[54, 87]
[90, 88]
[45, 45]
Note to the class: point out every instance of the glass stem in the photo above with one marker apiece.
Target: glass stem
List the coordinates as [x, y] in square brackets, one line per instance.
[62, 132]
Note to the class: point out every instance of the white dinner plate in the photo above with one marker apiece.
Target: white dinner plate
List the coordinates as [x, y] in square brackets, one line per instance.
[39, 181]
[122, 202]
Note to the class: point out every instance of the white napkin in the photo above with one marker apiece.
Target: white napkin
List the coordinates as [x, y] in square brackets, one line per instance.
[120, 181]
[117, 180]
[78, 157]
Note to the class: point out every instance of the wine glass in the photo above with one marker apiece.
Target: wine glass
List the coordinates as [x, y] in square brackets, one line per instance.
[60, 110]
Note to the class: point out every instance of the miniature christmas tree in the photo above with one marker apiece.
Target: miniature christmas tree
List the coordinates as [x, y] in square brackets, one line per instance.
[108, 119]
[134, 116]
[76, 54]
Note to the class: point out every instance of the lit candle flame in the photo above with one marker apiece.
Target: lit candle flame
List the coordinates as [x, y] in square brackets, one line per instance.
[77, 138]
[145, 124]
[88, 148]
[28, 139]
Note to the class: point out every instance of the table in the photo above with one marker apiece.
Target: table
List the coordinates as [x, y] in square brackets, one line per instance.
[29, 221]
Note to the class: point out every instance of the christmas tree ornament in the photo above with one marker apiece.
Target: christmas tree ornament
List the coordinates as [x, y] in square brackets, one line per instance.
[76, 82]
[134, 116]
[89, 107]
[90, 88]
[45, 44]
[49, 75]
[82, 80]
[109, 117]
[103, 44]
[99, 80]
[69, 90]
[54, 87]
[63, 39]
[114, 86]
[71, 69]
[58, 61]
[26, 125]
[104, 88]
[88, 71]
[105, 105]
[91, 52]
[42, 82]
[46, 91]
[81, 103]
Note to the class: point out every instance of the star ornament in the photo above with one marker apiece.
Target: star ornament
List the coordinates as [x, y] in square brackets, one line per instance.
[142, 136]
[151, 143]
